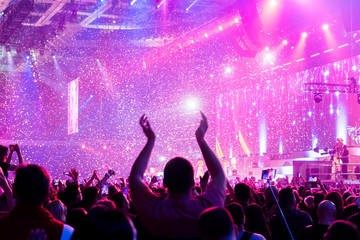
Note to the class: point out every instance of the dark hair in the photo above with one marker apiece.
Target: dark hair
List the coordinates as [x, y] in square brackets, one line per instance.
[179, 175]
[286, 197]
[119, 199]
[32, 184]
[76, 217]
[106, 223]
[335, 197]
[255, 220]
[237, 213]
[242, 192]
[215, 223]
[89, 195]
[3, 152]
[340, 230]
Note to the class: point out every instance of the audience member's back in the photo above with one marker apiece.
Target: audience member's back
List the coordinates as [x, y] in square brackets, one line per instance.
[342, 230]
[31, 189]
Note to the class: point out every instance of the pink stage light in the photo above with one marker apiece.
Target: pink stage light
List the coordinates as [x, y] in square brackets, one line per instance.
[304, 35]
[325, 27]
[285, 42]
[236, 20]
[83, 146]
[220, 28]
[206, 35]
[105, 147]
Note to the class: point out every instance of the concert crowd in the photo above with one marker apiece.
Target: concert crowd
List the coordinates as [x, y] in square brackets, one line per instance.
[34, 207]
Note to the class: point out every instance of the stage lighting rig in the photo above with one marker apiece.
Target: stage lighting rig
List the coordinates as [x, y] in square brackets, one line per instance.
[319, 88]
[13, 17]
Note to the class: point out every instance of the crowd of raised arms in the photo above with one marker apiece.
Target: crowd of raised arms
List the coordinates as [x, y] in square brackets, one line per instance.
[35, 208]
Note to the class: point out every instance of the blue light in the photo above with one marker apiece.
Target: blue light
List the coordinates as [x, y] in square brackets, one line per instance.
[27, 57]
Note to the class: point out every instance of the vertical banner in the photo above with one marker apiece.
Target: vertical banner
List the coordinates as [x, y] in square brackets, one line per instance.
[73, 106]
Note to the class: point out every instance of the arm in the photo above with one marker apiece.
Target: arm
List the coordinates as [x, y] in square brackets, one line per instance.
[7, 191]
[211, 161]
[138, 169]
[105, 178]
[231, 190]
[94, 176]
[12, 149]
[17, 149]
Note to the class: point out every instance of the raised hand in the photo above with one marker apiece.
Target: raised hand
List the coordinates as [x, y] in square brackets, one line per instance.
[200, 132]
[145, 125]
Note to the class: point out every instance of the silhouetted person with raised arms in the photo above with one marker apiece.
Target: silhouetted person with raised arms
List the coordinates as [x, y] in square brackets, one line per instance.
[176, 216]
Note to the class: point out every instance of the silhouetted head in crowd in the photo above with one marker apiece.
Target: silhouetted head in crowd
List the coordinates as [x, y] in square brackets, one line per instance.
[90, 195]
[32, 184]
[3, 153]
[269, 196]
[215, 223]
[179, 176]
[120, 201]
[287, 198]
[72, 194]
[242, 193]
[326, 212]
[237, 213]
[335, 197]
[349, 210]
[318, 198]
[57, 209]
[106, 223]
[107, 203]
[76, 217]
[341, 230]
[255, 220]
[345, 195]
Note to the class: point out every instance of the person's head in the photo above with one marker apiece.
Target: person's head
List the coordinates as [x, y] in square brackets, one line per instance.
[309, 201]
[215, 223]
[340, 230]
[106, 223]
[318, 198]
[344, 147]
[120, 201]
[255, 220]
[32, 184]
[179, 176]
[242, 193]
[268, 194]
[3, 153]
[326, 212]
[57, 209]
[335, 197]
[76, 217]
[72, 194]
[90, 195]
[287, 198]
[237, 213]
[107, 203]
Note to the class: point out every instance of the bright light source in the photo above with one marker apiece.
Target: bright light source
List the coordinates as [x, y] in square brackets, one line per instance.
[354, 68]
[326, 73]
[228, 70]
[105, 147]
[337, 93]
[304, 35]
[285, 42]
[162, 159]
[83, 146]
[220, 28]
[269, 58]
[191, 104]
[127, 148]
[266, 48]
[273, 3]
[236, 20]
[325, 27]
[206, 35]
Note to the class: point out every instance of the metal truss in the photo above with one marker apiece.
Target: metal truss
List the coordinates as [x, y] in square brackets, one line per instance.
[327, 87]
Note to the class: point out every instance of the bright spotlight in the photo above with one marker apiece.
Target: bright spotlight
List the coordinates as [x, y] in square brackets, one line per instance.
[228, 70]
[220, 28]
[206, 35]
[105, 147]
[354, 68]
[236, 20]
[273, 3]
[285, 42]
[304, 35]
[191, 104]
[325, 27]
[83, 146]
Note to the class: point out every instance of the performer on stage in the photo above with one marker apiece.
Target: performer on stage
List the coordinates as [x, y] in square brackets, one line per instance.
[344, 159]
[339, 146]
